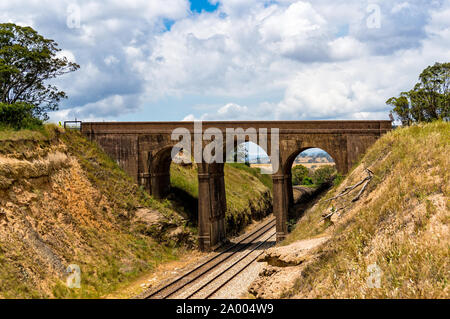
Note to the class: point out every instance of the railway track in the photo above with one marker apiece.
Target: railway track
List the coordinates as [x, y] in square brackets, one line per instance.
[209, 277]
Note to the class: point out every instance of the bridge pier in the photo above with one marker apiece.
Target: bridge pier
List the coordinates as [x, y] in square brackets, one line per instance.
[288, 190]
[160, 184]
[211, 206]
[280, 207]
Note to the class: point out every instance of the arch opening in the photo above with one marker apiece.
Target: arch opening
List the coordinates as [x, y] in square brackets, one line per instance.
[247, 167]
[250, 154]
[310, 172]
[175, 180]
[233, 194]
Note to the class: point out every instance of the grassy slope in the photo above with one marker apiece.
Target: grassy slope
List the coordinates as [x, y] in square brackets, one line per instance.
[9, 134]
[401, 223]
[248, 192]
[80, 213]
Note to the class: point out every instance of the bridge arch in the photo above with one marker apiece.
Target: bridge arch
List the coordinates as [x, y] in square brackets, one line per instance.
[159, 171]
[211, 202]
[290, 164]
[143, 150]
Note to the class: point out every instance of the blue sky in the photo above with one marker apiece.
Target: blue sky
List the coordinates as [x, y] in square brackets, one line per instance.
[237, 60]
[203, 5]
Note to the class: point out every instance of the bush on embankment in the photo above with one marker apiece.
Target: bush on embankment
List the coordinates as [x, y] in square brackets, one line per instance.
[18, 116]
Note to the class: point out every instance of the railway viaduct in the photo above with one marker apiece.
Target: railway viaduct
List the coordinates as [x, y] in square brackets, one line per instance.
[143, 150]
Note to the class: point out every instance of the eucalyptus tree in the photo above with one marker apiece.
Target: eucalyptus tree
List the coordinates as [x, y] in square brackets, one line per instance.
[28, 61]
[428, 100]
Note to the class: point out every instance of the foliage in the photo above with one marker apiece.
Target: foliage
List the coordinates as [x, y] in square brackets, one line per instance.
[428, 100]
[308, 181]
[323, 174]
[27, 61]
[299, 175]
[338, 179]
[18, 115]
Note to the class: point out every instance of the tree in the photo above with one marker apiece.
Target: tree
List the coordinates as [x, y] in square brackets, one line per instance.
[299, 173]
[323, 174]
[401, 107]
[307, 181]
[27, 62]
[241, 155]
[428, 100]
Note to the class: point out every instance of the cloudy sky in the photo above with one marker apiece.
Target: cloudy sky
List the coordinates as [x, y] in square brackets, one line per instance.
[160, 60]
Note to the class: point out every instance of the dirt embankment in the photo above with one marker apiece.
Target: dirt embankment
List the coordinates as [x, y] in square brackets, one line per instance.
[283, 265]
[62, 202]
[386, 237]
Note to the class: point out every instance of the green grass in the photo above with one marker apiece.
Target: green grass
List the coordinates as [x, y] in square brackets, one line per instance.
[106, 274]
[266, 179]
[185, 178]
[38, 133]
[248, 192]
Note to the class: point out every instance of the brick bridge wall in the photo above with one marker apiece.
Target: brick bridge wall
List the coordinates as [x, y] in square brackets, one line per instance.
[143, 150]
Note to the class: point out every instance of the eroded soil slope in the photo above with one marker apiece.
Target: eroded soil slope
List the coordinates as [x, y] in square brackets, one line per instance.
[62, 202]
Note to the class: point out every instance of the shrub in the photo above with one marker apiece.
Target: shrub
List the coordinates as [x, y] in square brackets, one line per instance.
[299, 173]
[18, 115]
[307, 181]
[323, 174]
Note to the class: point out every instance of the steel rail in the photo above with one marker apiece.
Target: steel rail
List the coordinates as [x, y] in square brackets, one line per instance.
[221, 254]
[232, 266]
[234, 276]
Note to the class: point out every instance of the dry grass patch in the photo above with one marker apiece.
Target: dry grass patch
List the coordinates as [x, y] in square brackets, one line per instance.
[400, 223]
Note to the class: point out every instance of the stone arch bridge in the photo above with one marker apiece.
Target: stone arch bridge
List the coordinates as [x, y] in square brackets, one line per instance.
[143, 150]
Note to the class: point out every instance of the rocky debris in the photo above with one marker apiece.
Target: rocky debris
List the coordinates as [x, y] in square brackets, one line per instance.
[149, 216]
[291, 255]
[273, 282]
[153, 223]
[284, 266]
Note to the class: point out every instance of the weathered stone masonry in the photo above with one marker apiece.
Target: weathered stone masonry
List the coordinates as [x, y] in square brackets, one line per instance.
[143, 150]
